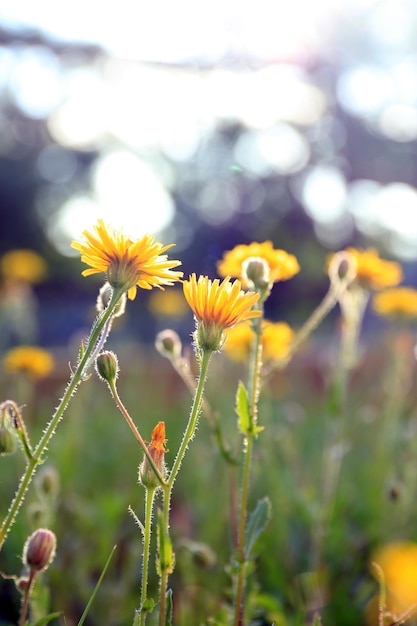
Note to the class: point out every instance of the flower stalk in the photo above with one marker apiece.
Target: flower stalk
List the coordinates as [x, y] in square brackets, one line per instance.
[250, 434]
[76, 378]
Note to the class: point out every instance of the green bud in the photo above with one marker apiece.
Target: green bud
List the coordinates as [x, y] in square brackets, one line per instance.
[168, 344]
[8, 442]
[47, 481]
[255, 272]
[39, 549]
[104, 297]
[107, 366]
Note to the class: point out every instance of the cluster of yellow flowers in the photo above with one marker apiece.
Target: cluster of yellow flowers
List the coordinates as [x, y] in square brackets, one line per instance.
[217, 306]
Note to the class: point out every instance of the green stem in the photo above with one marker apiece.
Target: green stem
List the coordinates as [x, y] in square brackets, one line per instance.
[338, 286]
[188, 435]
[26, 598]
[133, 428]
[77, 377]
[140, 616]
[254, 380]
[192, 422]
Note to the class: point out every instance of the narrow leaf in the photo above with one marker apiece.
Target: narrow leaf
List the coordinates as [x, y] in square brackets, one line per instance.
[243, 410]
[166, 555]
[47, 619]
[169, 605]
[257, 523]
[96, 588]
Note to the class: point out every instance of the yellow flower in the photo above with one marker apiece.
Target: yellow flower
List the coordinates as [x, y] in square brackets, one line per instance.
[276, 341]
[238, 342]
[168, 303]
[35, 362]
[282, 265]
[398, 562]
[401, 301]
[24, 265]
[128, 264]
[374, 272]
[218, 306]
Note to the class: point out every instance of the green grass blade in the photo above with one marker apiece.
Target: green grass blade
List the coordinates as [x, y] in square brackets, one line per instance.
[93, 595]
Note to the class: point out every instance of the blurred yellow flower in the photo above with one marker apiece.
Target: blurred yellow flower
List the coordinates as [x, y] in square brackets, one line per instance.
[374, 272]
[276, 341]
[238, 342]
[218, 306]
[24, 265]
[168, 303]
[35, 362]
[282, 265]
[128, 264]
[398, 562]
[401, 302]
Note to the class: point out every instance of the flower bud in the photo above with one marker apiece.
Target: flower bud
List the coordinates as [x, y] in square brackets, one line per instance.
[156, 449]
[256, 273]
[168, 344]
[47, 481]
[104, 297]
[107, 366]
[39, 549]
[8, 442]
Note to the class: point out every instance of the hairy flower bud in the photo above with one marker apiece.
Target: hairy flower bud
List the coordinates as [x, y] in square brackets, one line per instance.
[104, 297]
[39, 549]
[256, 273]
[156, 449]
[47, 481]
[168, 344]
[107, 366]
[8, 442]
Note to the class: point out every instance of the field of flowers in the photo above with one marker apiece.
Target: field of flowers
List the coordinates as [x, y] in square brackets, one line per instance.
[252, 474]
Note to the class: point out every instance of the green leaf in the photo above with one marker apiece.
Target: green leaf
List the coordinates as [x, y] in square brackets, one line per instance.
[47, 619]
[257, 523]
[243, 410]
[165, 561]
[96, 588]
[148, 606]
[169, 605]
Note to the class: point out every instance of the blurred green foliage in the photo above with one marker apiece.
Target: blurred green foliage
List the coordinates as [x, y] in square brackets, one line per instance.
[341, 479]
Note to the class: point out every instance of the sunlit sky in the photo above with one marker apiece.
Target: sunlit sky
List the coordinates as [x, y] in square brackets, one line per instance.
[175, 30]
[223, 60]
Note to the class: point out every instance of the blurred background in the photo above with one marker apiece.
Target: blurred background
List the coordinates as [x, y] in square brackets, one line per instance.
[207, 125]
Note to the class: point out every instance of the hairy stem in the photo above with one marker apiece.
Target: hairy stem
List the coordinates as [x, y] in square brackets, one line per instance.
[188, 435]
[76, 378]
[254, 389]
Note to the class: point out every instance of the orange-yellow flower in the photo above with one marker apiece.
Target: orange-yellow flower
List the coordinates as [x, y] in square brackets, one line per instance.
[35, 362]
[158, 440]
[156, 451]
[282, 265]
[398, 562]
[400, 301]
[218, 306]
[25, 265]
[128, 264]
[276, 341]
[372, 272]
